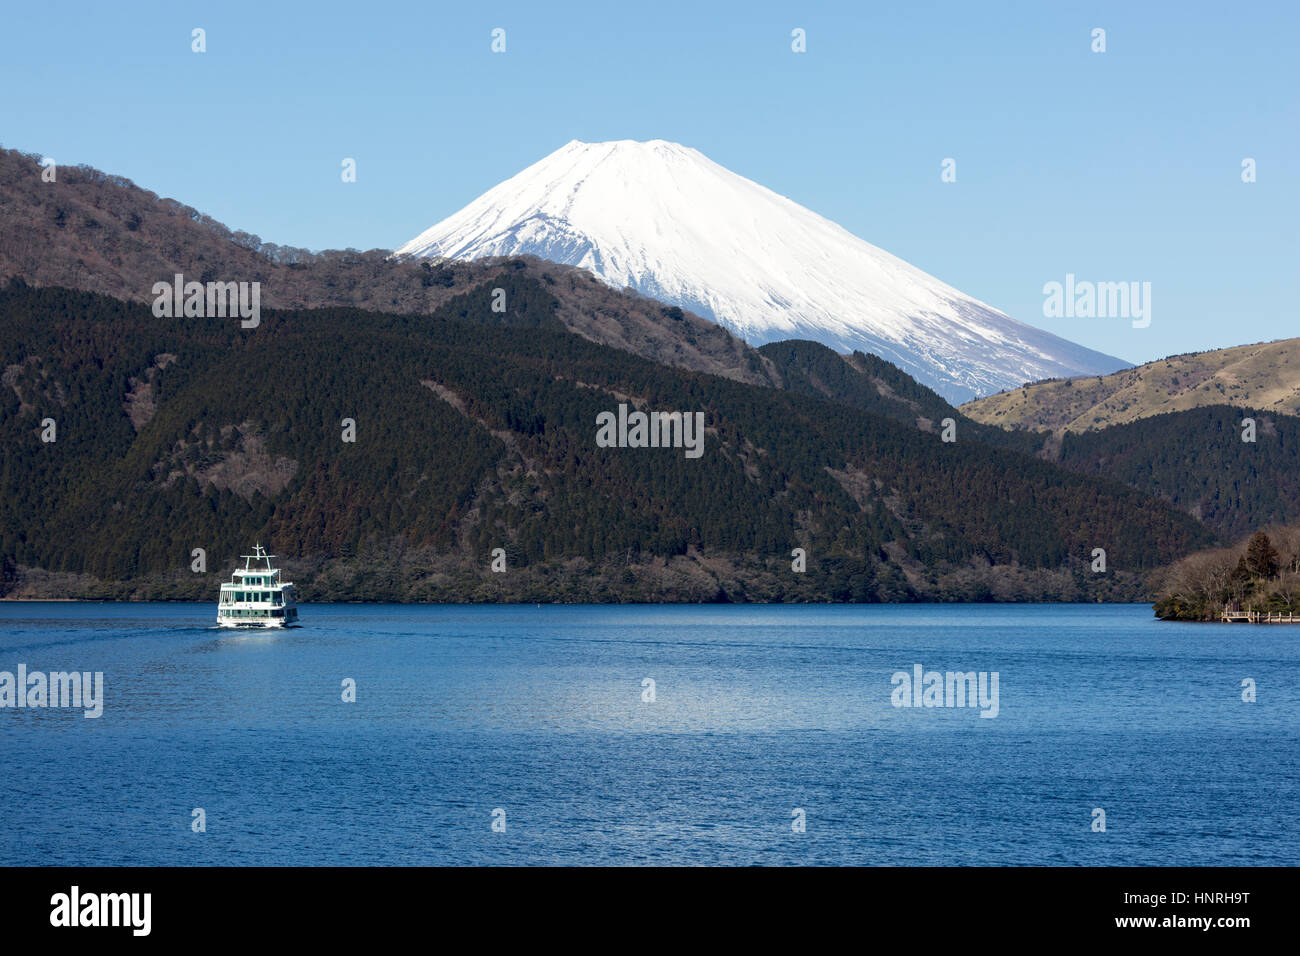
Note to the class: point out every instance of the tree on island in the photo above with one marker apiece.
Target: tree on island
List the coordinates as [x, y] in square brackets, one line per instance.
[1261, 557]
[1254, 576]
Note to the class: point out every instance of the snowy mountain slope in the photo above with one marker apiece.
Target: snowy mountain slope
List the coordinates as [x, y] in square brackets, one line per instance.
[676, 226]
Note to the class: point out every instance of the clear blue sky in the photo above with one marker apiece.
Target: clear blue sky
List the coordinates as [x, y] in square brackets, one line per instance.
[1117, 166]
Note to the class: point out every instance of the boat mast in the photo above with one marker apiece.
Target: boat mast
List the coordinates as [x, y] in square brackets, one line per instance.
[258, 555]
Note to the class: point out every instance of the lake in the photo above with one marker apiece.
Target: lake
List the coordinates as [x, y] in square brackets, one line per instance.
[543, 721]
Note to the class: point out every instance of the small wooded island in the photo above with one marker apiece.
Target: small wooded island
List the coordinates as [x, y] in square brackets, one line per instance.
[1257, 581]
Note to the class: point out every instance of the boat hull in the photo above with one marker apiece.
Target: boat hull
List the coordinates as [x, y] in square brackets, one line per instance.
[252, 625]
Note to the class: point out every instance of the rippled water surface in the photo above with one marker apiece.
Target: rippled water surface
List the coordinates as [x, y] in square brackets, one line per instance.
[757, 711]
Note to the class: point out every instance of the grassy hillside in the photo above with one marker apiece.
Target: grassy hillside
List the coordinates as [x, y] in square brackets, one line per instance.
[1264, 377]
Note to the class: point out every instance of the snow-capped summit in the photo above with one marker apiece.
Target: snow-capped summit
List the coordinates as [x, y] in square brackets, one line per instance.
[674, 225]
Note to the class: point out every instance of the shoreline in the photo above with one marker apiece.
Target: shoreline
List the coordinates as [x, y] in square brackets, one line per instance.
[18, 601]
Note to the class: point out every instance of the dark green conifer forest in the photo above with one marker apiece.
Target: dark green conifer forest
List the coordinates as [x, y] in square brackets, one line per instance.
[475, 430]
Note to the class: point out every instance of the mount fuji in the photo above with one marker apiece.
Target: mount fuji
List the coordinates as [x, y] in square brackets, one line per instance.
[672, 224]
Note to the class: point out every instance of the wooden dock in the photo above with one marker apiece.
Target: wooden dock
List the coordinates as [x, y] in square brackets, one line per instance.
[1259, 617]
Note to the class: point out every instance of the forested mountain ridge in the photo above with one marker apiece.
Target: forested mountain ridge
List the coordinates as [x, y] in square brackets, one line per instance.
[472, 433]
[1198, 461]
[100, 233]
[1193, 459]
[872, 384]
[96, 232]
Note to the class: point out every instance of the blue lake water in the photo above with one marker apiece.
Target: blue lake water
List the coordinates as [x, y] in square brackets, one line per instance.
[757, 711]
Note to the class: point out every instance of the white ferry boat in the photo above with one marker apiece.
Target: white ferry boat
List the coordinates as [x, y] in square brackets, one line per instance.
[256, 597]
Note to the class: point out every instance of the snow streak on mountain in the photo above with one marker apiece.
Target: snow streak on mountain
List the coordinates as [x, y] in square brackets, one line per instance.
[674, 225]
